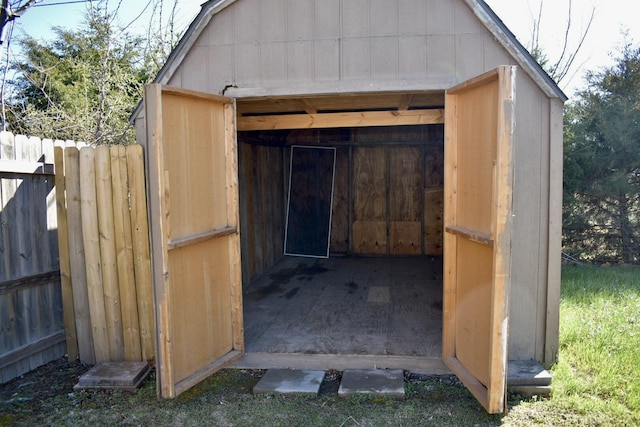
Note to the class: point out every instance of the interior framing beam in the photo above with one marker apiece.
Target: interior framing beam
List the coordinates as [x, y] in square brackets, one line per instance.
[338, 120]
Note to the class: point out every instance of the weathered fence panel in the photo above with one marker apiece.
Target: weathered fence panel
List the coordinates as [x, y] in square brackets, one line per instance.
[31, 314]
[75, 264]
[109, 264]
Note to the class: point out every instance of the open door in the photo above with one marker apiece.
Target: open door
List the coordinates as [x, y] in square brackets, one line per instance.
[193, 196]
[479, 124]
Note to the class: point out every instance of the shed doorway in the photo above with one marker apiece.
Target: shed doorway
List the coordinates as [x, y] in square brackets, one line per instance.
[379, 293]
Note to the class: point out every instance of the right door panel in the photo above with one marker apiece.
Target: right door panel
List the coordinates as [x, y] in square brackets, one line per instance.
[479, 123]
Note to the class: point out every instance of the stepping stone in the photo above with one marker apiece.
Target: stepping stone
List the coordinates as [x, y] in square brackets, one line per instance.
[122, 375]
[529, 378]
[527, 373]
[290, 381]
[377, 382]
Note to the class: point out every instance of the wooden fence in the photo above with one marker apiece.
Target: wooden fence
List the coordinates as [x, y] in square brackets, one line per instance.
[75, 268]
[31, 316]
[105, 259]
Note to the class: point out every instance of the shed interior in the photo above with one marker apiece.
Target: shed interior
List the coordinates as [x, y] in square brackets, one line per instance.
[381, 286]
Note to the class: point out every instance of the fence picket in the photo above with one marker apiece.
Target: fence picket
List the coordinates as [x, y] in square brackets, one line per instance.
[68, 309]
[124, 250]
[106, 231]
[77, 260]
[93, 261]
[141, 249]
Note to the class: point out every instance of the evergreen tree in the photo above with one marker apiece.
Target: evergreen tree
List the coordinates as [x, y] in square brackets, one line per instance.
[602, 164]
[80, 85]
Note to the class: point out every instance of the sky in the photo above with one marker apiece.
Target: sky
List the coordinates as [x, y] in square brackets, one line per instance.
[39, 19]
[604, 37]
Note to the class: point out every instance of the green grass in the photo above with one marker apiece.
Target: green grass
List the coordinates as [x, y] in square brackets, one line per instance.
[597, 378]
[225, 399]
[596, 382]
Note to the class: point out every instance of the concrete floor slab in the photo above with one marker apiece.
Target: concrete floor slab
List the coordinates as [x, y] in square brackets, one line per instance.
[379, 382]
[290, 381]
[346, 306]
[122, 375]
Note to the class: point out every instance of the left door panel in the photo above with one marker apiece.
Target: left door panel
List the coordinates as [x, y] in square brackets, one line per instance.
[194, 219]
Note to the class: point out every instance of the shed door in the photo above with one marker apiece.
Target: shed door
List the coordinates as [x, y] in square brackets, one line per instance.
[479, 120]
[193, 194]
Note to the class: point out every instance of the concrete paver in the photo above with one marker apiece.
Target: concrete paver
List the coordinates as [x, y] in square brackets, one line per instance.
[380, 382]
[290, 381]
[123, 375]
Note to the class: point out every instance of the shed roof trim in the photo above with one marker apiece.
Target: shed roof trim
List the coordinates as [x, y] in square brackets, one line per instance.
[507, 39]
[479, 7]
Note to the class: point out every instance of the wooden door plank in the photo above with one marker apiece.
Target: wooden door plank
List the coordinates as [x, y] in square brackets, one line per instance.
[502, 219]
[233, 218]
[450, 242]
[158, 206]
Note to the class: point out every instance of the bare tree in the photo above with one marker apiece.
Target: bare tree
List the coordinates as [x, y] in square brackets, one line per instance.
[559, 68]
[9, 11]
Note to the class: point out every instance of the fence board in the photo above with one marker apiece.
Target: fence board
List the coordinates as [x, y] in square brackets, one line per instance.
[77, 260]
[93, 261]
[8, 188]
[141, 249]
[8, 331]
[106, 231]
[124, 251]
[63, 249]
[24, 332]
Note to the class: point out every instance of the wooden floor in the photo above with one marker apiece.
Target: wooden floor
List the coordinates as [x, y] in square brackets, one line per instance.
[347, 305]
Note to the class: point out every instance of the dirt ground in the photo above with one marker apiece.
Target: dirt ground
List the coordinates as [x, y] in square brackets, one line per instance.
[42, 384]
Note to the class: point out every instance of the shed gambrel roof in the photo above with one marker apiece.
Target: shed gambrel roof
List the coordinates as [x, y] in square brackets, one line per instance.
[480, 9]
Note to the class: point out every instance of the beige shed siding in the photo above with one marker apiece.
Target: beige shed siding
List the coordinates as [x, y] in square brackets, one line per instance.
[411, 14]
[307, 47]
[530, 230]
[261, 44]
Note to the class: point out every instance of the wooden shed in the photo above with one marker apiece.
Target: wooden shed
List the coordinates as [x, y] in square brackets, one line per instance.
[353, 139]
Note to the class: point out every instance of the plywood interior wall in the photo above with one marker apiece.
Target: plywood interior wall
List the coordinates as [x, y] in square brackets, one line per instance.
[388, 191]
